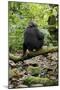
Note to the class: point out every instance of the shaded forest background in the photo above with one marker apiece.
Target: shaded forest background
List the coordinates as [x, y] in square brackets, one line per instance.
[19, 16]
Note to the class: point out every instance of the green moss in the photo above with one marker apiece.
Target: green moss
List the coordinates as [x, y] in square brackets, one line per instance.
[37, 80]
[33, 70]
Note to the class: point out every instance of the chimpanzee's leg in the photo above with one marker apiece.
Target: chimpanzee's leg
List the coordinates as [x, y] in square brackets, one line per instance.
[24, 49]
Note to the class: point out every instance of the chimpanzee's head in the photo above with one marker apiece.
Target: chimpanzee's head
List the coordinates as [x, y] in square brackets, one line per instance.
[32, 24]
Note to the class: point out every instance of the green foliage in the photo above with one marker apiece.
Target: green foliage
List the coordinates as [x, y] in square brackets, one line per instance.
[37, 80]
[19, 15]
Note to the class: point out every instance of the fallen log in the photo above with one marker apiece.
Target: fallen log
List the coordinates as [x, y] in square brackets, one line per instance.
[44, 50]
[44, 81]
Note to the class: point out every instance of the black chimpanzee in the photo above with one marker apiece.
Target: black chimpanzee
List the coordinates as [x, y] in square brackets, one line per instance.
[33, 38]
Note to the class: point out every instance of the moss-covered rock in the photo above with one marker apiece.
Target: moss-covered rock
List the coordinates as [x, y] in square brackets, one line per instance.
[37, 80]
[34, 71]
[15, 73]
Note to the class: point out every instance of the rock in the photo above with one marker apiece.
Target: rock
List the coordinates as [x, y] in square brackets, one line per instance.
[25, 76]
[36, 85]
[41, 57]
[52, 77]
[45, 59]
[12, 64]
[19, 64]
[15, 73]
[54, 58]
[53, 63]
[33, 70]
[22, 86]
[44, 64]
[31, 62]
[43, 73]
[49, 56]
[51, 73]
[37, 57]
[20, 69]
[53, 67]
[14, 82]
[23, 72]
[10, 86]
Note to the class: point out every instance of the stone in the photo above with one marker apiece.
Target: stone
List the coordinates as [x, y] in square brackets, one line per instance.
[49, 56]
[19, 64]
[12, 64]
[22, 86]
[35, 71]
[53, 77]
[31, 62]
[15, 73]
[36, 85]
[53, 63]
[10, 86]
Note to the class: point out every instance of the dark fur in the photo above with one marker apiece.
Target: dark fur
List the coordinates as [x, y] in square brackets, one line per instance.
[33, 38]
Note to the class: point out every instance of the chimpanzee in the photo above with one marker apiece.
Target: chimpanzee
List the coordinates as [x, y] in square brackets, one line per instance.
[33, 38]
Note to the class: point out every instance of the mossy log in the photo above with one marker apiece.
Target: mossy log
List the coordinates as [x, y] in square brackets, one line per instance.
[44, 50]
[29, 81]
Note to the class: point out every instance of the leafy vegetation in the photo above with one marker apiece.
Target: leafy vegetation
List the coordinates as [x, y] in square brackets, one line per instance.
[20, 14]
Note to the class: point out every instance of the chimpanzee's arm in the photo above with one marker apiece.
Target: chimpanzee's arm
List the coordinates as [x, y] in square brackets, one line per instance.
[39, 34]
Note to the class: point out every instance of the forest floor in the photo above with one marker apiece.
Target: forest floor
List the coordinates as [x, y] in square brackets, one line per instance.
[41, 70]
